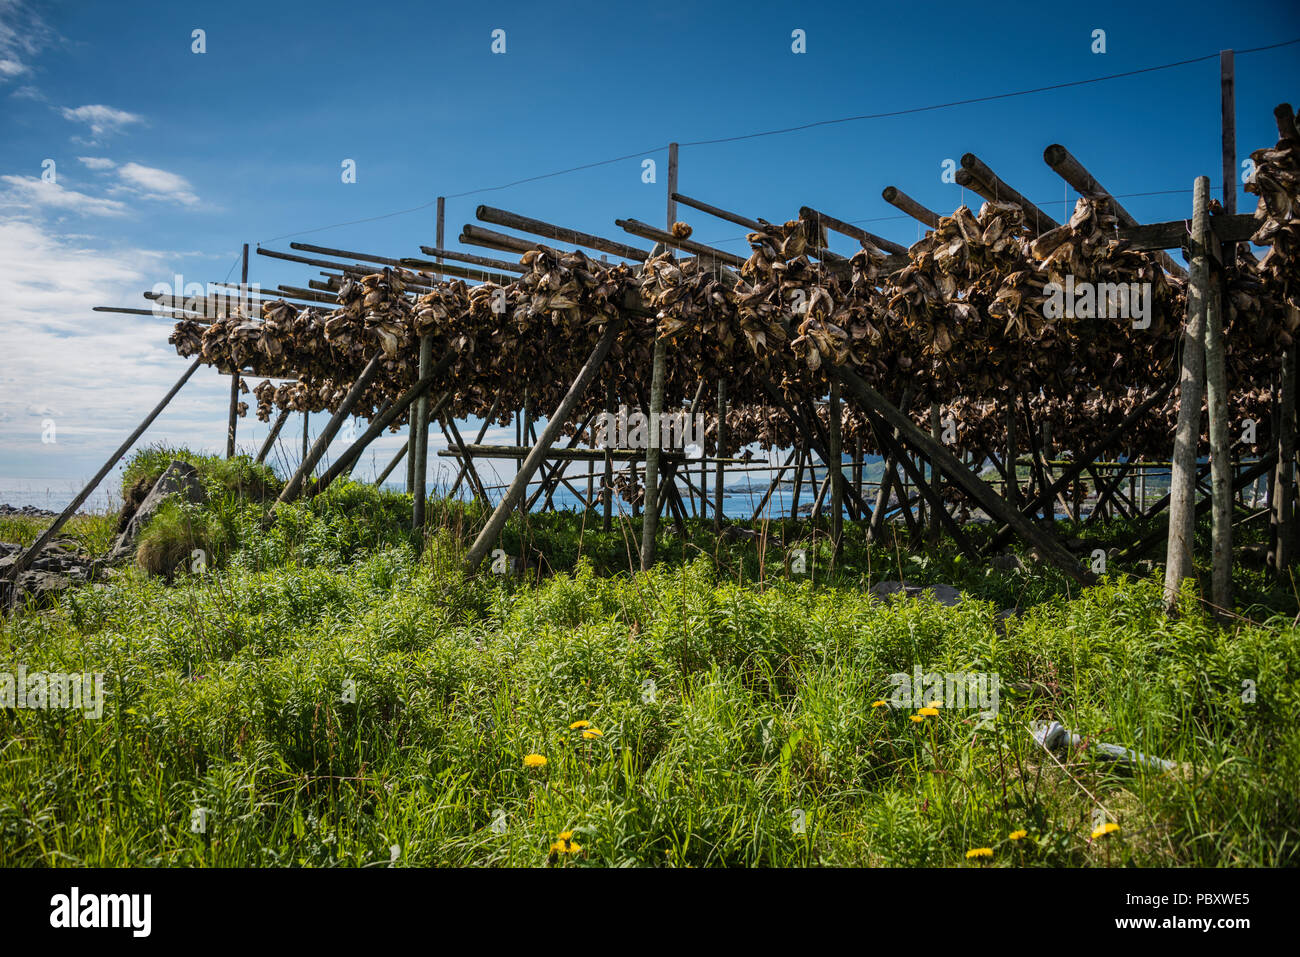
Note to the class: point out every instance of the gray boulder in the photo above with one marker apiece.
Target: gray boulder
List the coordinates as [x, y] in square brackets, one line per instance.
[943, 594]
[178, 479]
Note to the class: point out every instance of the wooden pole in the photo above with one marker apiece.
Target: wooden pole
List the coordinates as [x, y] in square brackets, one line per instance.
[798, 481]
[420, 436]
[393, 464]
[1283, 515]
[327, 434]
[1013, 448]
[234, 379]
[1216, 391]
[720, 476]
[945, 462]
[888, 478]
[1182, 482]
[272, 436]
[658, 373]
[26, 559]
[836, 468]
[515, 493]
[935, 432]
[421, 419]
[607, 488]
[897, 198]
[1227, 85]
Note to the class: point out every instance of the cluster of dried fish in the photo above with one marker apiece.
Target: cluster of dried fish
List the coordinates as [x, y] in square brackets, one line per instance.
[988, 307]
[1277, 184]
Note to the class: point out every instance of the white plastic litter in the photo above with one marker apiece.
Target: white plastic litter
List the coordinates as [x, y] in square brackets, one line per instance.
[1054, 736]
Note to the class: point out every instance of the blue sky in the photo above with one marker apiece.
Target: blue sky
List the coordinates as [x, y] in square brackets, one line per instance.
[168, 160]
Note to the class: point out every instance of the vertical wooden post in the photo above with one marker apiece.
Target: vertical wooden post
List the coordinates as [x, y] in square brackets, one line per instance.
[935, 433]
[607, 491]
[234, 379]
[837, 467]
[1227, 84]
[1182, 481]
[857, 475]
[798, 483]
[420, 421]
[721, 468]
[1216, 391]
[650, 517]
[1013, 449]
[306, 422]
[420, 448]
[1283, 517]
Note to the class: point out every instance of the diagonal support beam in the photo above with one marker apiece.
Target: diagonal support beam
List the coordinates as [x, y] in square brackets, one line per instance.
[515, 493]
[943, 460]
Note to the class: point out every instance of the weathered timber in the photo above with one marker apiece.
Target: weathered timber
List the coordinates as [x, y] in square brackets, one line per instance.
[478, 551]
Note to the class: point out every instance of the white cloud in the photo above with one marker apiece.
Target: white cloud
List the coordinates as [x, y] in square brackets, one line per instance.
[102, 120]
[30, 192]
[154, 183]
[23, 34]
[96, 162]
[95, 374]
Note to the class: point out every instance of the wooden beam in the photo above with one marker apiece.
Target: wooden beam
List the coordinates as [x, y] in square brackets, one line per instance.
[25, 560]
[537, 227]
[327, 434]
[646, 231]
[272, 436]
[977, 176]
[848, 229]
[1182, 488]
[1064, 164]
[900, 200]
[514, 494]
[945, 461]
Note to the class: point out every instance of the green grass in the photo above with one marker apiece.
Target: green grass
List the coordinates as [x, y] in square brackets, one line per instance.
[735, 703]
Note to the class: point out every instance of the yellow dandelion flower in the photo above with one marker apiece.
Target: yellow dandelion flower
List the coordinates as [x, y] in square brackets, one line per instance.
[565, 844]
[979, 852]
[1105, 829]
[880, 704]
[579, 725]
[934, 704]
[534, 761]
[929, 712]
[916, 718]
[593, 733]
[1017, 835]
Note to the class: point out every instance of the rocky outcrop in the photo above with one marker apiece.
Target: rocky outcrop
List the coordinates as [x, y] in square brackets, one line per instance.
[61, 564]
[943, 594]
[179, 478]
